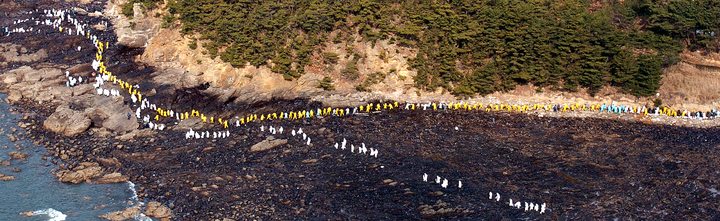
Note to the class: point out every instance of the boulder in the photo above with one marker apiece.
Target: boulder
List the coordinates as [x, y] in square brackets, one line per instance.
[32, 75]
[82, 89]
[138, 35]
[126, 214]
[192, 123]
[221, 95]
[14, 96]
[108, 162]
[112, 178]
[10, 79]
[16, 53]
[108, 112]
[36, 84]
[80, 11]
[267, 144]
[157, 210]
[82, 173]
[54, 93]
[177, 77]
[100, 27]
[6, 177]
[18, 155]
[67, 121]
[136, 133]
[83, 2]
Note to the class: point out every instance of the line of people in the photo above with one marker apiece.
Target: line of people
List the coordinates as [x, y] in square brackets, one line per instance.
[443, 184]
[64, 15]
[144, 104]
[528, 206]
[72, 81]
[108, 93]
[362, 149]
[206, 134]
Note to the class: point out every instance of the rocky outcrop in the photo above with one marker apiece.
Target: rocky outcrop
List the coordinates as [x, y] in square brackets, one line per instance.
[192, 123]
[109, 162]
[152, 209]
[82, 173]
[252, 84]
[177, 77]
[47, 85]
[84, 2]
[267, 144]
[4, 177]
[157, 210]
[39, 85]
[82, 89]
[18, 155]
[442, 209]
[89, 172]
[112, 178]
[108, 112]
[67, 121]
[126, 214]
[136, 133]
[133, 32]
[16, 53]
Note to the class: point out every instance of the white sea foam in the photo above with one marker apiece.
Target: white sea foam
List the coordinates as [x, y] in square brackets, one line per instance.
[142, 217]
[134, 197]
[135, 201]
[52, 213]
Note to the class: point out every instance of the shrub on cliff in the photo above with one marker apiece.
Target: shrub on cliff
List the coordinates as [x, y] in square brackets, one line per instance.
[476, 46]
[330, 57]
[326, 84]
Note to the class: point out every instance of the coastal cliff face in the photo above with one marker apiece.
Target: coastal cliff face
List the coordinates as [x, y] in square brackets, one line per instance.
[135, 31]
[252, 84]
[166, 48]
[686, 85]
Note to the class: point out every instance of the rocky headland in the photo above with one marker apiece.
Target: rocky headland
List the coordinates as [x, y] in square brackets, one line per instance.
[587, 166]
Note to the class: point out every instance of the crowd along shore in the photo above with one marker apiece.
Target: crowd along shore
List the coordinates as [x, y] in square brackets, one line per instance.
[159, 120]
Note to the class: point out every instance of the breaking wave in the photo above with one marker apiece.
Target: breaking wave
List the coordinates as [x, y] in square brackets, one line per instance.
[52, 213]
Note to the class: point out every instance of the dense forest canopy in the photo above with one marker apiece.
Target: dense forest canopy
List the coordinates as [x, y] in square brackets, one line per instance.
[468, 47]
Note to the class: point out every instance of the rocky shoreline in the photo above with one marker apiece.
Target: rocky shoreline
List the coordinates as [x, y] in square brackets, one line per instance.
[562, 161]
[225, 178]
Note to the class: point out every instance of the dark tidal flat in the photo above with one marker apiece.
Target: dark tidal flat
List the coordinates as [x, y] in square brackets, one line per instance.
[582, 169]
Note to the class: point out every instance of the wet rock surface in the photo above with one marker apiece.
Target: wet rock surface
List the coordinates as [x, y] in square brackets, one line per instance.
[111, 178]
[572, 164]
[67, 121]
[157, 210]
[267, 144]
[18, 155]
[127, 214]
[84, 172]
[137, 31]
[89, 172]
[4, 177]
[16, 53]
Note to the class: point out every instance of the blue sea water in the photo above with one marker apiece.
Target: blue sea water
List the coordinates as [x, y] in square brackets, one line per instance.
[35, 189]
